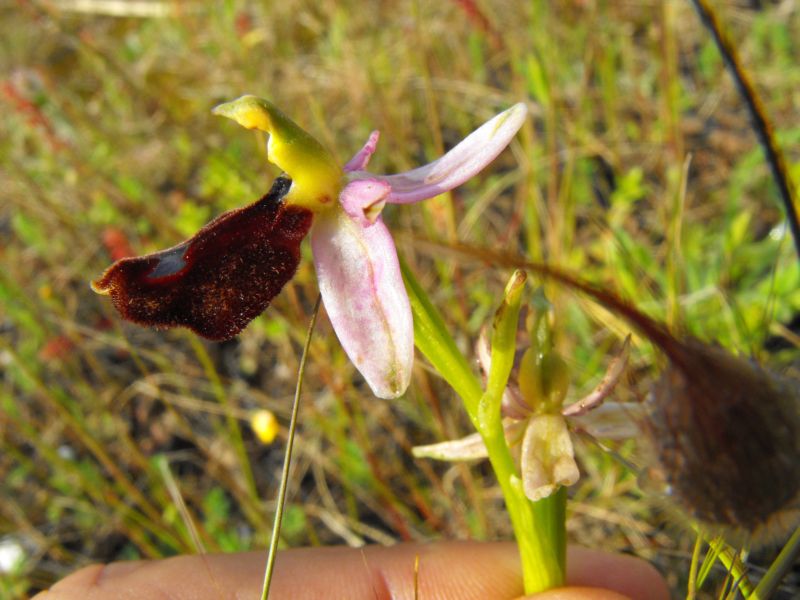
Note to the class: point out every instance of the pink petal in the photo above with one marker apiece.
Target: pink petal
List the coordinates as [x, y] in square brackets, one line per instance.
[361, 159]
[605, 387]
[468, 158]
[466, 448]
[364, 199]
[363, 292]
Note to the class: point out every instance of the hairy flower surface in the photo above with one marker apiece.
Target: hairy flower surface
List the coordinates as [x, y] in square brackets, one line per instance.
[216, 282]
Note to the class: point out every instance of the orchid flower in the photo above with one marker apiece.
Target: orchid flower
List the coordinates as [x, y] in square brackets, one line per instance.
[216, 282]
[536, 423]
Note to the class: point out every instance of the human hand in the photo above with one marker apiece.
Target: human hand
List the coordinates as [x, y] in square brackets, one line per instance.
[463, 570]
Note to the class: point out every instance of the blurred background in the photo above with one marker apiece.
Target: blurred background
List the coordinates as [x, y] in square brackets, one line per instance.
[637, 170]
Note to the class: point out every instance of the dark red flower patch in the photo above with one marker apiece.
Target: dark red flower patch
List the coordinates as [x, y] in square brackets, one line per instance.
[218, 281]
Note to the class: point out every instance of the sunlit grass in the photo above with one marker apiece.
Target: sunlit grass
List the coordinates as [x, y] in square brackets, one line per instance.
[637, 170]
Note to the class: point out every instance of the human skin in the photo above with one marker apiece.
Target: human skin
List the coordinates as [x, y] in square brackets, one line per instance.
[444, 570]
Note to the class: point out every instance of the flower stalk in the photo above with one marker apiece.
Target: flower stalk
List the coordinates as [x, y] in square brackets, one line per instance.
[224, 276]
[539, 527]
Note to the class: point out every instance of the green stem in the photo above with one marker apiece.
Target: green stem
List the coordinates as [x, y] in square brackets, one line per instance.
[539, 527]
[779, 568]
[432, 339]
[691, 592]
[731, 561]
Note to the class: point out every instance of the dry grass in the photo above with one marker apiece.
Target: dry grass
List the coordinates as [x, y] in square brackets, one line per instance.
[638, 170]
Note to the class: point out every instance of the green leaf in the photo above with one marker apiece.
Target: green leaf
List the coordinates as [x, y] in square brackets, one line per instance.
[433, 340]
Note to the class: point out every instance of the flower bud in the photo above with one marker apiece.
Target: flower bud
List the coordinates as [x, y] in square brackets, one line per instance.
[543, 380]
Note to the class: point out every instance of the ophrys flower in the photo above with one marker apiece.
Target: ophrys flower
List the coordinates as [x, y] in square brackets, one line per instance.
[216, 282]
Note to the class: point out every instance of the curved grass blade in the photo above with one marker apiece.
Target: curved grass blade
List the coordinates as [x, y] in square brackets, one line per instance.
[761, 124]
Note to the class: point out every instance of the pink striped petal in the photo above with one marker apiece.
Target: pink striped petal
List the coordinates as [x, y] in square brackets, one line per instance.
[361, 159]
[366, 301]
[468, 158]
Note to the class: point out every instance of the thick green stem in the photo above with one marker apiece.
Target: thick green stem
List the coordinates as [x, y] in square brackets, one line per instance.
[436, 344]
[539, 527]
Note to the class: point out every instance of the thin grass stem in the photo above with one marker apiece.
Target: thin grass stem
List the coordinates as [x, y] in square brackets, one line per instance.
[287, 460]
[737, 570]
[691, 591]
[779, 568]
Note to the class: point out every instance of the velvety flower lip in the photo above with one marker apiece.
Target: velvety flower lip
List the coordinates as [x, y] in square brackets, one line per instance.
[220, 279]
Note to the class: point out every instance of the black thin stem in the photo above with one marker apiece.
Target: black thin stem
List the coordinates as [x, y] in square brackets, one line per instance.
[761, 124]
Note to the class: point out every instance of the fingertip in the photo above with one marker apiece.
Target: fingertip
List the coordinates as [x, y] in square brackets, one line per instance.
[445, 569]
[79, 580]
[88, 578]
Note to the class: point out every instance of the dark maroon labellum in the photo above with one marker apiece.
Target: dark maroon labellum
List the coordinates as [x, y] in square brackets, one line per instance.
[218, 281]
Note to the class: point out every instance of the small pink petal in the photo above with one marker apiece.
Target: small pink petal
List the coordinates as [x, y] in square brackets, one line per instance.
[466, 448]
[361, 159]
[364, 199]
[366, 301]
[605, 387]
[464, 161]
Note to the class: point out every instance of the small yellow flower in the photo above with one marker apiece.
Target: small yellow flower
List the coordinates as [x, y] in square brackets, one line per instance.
[264, 425]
